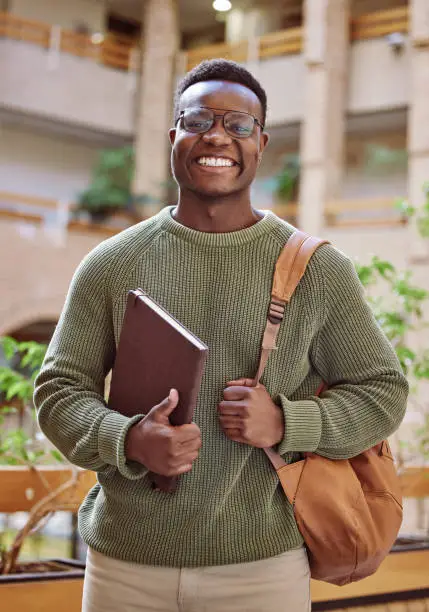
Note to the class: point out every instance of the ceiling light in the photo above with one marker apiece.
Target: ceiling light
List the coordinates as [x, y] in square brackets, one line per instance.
[222, 5]
[97, 38]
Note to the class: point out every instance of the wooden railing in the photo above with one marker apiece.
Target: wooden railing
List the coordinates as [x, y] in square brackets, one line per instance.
[287, 211]
[368, 212]
[374, 212]
[40, 211]
[117, 51]
[113, 51]
[288, 42]
[365, 212]
[381, 23]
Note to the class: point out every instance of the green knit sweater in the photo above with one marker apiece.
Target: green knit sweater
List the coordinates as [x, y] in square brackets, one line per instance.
[229, 508]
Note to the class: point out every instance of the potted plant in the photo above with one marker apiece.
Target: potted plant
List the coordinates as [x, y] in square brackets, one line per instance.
[110, 189]
[287, 180]
[34, 478]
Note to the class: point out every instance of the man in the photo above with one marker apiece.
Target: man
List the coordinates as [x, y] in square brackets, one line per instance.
[226, 539]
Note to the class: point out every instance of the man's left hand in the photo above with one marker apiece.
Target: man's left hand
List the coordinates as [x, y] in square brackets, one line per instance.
[248, 415]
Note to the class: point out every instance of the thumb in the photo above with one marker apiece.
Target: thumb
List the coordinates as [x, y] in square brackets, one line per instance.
[166, 407]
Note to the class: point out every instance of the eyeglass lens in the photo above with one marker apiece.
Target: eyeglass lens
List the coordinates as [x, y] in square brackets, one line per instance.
[200, 120]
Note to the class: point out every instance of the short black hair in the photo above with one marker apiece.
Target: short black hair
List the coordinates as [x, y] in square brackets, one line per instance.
[220, 70]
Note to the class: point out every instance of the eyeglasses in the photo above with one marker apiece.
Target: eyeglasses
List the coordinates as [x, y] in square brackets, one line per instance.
[236, 123]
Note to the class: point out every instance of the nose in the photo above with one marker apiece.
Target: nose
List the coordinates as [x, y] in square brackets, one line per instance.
[217, 135]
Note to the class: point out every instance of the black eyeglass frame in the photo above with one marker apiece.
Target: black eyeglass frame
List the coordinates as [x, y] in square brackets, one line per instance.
[216, 116]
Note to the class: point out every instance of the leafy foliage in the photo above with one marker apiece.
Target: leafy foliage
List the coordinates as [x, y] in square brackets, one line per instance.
[399, 307]
[19, 446]
[287, 180]
[399, 312]
[111, 183]
[422, 215]
[110, 186]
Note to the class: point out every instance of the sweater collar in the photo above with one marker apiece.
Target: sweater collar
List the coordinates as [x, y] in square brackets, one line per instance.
[211, 239]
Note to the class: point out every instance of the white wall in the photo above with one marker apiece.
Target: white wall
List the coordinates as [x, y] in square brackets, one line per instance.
[43, 165]
[378, 78]
[66, 13]
[378, 81]
[73, 89]
[283, 80]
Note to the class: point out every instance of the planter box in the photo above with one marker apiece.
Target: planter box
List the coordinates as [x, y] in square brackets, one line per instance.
[53, 591]
[22, 487]
[403, 577]
[415, 482]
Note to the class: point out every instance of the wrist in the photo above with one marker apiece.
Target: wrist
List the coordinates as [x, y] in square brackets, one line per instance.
[280, 428]
[131, 444]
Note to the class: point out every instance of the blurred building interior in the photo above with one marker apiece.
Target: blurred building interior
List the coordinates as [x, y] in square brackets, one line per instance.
[348, 93]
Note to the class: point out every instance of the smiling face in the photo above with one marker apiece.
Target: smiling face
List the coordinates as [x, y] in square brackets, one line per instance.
[215, 164]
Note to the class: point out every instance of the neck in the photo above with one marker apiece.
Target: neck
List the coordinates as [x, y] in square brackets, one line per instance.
[216, 215]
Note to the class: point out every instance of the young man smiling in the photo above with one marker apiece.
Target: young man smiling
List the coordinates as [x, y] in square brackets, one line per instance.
[226, 539]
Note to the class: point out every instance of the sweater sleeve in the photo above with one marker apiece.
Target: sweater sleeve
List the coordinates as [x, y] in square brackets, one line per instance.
[367, 395]
[69, 390]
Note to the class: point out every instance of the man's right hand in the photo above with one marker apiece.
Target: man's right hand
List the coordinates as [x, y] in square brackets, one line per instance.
[161, 447]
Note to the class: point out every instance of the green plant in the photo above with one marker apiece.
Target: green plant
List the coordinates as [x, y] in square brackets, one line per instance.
[286, 182]
[399, 307]
[111, 184]
[25, 445]
[22, 445]
[421, 214]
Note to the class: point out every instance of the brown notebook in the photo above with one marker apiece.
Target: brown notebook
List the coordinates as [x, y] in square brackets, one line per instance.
[156, 353]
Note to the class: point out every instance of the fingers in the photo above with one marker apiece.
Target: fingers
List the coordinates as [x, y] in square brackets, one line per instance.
[236, 393]
[229, 408]
[181, 461]
[241, 382]
[187, 433]
[235, 435]
[231, 422]
[189, 446]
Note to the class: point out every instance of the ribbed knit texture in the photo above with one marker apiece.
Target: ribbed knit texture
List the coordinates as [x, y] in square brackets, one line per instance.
[229, 508]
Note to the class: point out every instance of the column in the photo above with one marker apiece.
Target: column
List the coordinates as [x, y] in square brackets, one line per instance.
[242, 24]
[155, 101]
[418, 119]
[326, 44]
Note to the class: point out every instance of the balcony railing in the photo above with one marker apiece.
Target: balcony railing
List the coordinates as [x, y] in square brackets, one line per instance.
[286, 42]
[57, 214]
[111, 50]
[120, 52]
[368, 212]
[289, 42]
[362, 213]
[381, 23]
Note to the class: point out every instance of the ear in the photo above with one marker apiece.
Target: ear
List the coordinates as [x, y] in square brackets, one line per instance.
[264, 141]
[172, 135]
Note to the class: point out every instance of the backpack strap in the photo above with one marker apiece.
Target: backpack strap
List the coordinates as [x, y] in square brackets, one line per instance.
[290, 268]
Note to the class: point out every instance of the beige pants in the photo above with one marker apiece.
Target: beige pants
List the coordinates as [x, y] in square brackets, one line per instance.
[279, 584]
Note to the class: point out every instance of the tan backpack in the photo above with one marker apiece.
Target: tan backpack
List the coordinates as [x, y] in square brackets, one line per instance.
[348, 511]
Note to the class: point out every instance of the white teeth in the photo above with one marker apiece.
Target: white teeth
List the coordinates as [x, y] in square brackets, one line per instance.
[215, 161]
